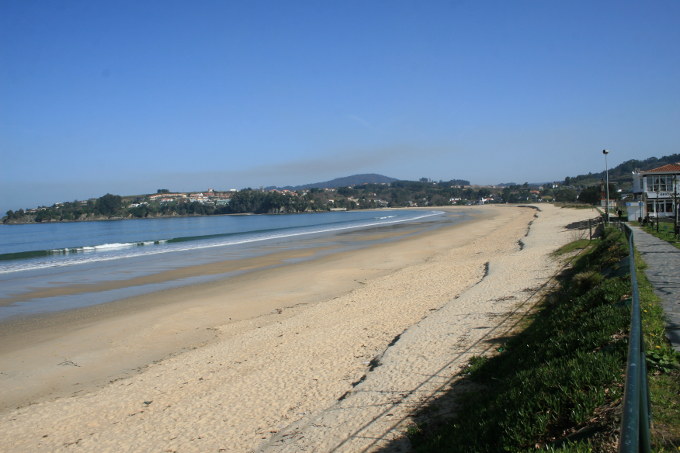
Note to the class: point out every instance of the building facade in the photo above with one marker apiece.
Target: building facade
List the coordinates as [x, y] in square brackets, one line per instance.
[656, 192]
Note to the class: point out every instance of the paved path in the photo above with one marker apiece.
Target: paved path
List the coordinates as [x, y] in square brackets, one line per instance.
[663, 271]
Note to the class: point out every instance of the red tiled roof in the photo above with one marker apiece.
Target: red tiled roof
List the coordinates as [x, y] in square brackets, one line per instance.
[669, 168]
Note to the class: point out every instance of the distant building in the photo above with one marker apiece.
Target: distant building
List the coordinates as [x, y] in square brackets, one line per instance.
[167, 196]
[656, 192]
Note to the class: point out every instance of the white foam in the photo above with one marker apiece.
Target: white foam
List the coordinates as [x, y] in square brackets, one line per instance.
[116, 251]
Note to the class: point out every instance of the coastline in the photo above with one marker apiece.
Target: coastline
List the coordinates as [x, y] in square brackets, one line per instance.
[130, 217]
[146, 328]
[322, 320]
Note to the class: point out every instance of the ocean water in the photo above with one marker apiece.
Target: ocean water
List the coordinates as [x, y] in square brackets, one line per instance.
[39, 257]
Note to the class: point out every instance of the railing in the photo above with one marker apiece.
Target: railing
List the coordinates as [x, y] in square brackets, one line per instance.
[636, 410]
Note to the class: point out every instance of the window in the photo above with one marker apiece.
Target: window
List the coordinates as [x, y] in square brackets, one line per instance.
[660, 207]
[660, 183]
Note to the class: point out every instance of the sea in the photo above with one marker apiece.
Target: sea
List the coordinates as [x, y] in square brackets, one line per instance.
[39, 260]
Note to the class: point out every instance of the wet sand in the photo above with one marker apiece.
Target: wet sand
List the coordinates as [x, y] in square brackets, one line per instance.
[251, 358]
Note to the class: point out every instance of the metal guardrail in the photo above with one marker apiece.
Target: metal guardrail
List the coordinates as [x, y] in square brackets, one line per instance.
[636, 410]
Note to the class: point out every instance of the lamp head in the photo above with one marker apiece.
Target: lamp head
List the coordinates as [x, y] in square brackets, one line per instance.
[604, 151]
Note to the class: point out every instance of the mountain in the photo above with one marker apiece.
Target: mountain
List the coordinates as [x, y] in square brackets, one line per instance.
[347, 181]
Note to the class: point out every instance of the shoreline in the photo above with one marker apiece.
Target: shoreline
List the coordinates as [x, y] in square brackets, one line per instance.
[217, 269]
[115, 219]
[291, 341]
[181, 318]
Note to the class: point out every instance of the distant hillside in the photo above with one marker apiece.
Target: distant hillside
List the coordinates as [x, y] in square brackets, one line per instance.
[347, 181]
[621, 174]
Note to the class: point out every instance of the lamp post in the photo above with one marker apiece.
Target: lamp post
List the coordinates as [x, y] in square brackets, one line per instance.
[675, 206]
[606, 170]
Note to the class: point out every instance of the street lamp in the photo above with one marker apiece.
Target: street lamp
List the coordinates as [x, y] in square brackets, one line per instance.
[675, 205]
[606, 170]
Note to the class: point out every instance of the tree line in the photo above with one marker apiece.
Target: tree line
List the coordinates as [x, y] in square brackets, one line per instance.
[365, 196]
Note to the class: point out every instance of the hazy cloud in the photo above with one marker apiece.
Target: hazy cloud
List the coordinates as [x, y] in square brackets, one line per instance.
[385, 160]
[360, 120]
[340, 163]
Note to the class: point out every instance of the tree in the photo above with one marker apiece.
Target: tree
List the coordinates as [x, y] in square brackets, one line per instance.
[565, 194]
[345, 191]
[594, 194]
[483, 193]
[590, 195]
[108, 205]
[439, 200]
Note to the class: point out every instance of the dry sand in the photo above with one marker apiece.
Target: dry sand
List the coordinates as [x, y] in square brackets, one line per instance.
[289, 363]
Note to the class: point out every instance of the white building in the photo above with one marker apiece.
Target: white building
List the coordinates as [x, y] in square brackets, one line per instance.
[656, 192]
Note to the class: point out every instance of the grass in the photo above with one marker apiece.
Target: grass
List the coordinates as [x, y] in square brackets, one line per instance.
[572, 247]
[663, 369]
[662, 361]
[665, 232]
[557, 385]
[573, 205]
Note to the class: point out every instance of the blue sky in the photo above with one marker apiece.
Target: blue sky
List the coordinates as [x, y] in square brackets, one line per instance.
[128, 97]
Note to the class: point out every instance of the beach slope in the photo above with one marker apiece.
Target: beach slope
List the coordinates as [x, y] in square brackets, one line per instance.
[333, 354]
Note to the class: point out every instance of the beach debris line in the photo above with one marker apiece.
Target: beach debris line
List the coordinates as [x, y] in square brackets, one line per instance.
[67, 362]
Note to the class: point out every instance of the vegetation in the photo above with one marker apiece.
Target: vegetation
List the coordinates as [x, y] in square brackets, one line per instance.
[663, 364]
[108, 205]
[664, 229]
[620, 175]
[353, 192]
[274, 201]
[557, 385]
[588, 188]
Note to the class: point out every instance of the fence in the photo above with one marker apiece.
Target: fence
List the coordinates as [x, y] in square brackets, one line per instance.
[636, 411]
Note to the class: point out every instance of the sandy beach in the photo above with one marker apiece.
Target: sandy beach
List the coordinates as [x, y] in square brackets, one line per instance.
[329, 354]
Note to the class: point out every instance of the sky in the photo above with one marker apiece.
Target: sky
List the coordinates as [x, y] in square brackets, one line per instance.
[129, 97]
